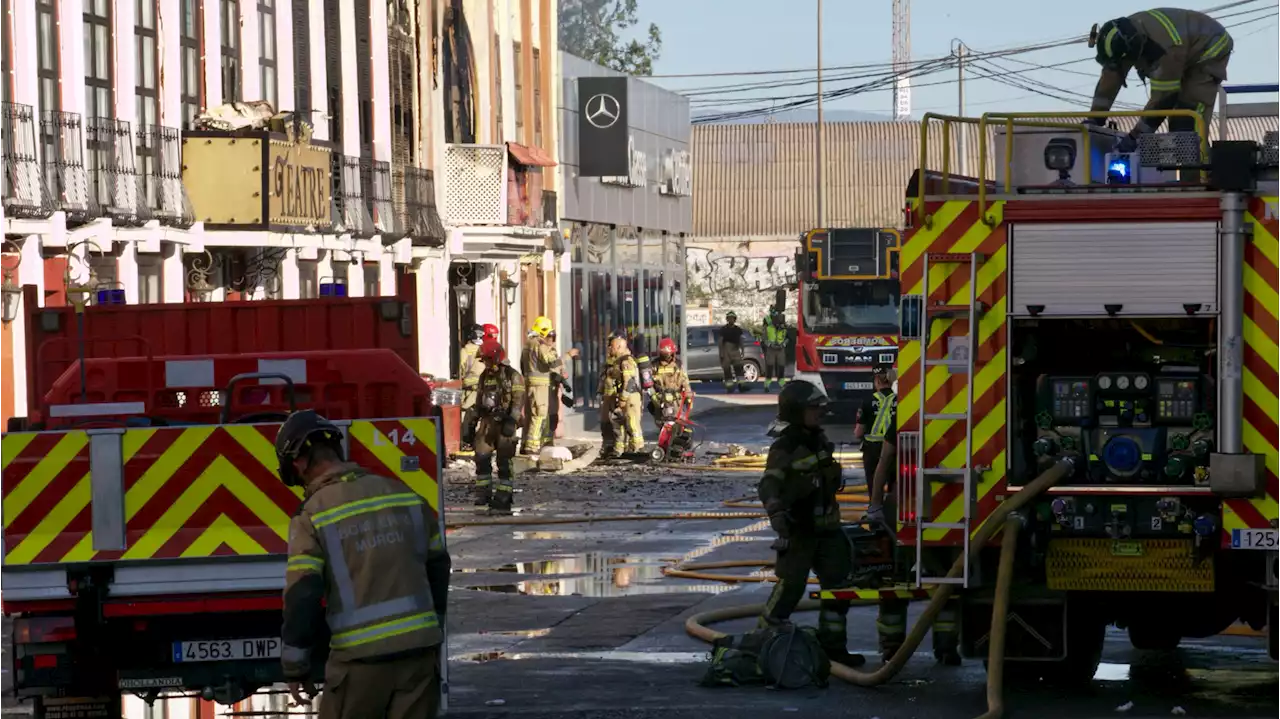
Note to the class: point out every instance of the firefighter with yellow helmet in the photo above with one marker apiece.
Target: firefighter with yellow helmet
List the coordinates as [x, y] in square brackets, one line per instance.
[543, 369]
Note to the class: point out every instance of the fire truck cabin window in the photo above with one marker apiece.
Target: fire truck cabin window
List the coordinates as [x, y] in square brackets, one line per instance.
[852, 307]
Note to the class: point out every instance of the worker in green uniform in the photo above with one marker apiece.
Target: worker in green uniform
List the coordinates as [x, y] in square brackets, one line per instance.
[775, 350]
[469, 369]
[798, 490]
[731, 361]
[1181, 54]
[623, 392]
[538, 363]
[500, 404]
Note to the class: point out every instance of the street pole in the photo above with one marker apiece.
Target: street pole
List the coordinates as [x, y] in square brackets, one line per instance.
[821, 162]
[961, 130]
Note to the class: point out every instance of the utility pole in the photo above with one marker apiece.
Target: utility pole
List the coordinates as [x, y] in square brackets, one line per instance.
[820, 154]
[962, 130]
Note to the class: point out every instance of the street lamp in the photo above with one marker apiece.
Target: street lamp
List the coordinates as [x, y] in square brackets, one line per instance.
[12, 297]
[198, 279]
[509, 287]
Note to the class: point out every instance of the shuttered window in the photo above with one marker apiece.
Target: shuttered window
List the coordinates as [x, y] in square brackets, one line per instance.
[190, 28]
[231, 89]
[267, 51]
[333, 67]
[302, 59]
[364, 80]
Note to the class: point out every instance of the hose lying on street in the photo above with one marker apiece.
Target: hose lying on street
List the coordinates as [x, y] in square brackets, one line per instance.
[696, 626]
[591, 518]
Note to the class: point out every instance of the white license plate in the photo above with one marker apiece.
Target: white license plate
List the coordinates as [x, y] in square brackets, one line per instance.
[221, 650]
[857, 385]
[1253, 539]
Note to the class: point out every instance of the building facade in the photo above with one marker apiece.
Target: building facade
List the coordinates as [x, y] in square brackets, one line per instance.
[126, 170]
[625, 234]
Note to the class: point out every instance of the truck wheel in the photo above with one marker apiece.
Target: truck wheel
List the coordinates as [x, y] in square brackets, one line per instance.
[1147, 636]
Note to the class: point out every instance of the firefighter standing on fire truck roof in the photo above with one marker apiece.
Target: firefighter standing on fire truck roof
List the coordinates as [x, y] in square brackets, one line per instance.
[670, 383]
[1183, 54]
[500, 404]
[539, 363]
[366, 554]
[798, 490]
[470, 367]
[623, 392]
[775, 350]
[731, 354]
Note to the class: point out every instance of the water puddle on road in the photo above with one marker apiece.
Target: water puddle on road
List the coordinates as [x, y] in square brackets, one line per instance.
[591, 574]
[611, 655]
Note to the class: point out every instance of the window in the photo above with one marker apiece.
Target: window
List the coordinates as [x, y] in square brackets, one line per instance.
[146, 91]
[150, 279]
[231, 51]
[364, 78]
[333, 69]
[98, 91]
[47, 48]
[537, 98]
[267, 50]
[6, 48]
[517, 74]
[851, 307]
[302, 60]
[497, 88]
[191, 27]
[372, 279]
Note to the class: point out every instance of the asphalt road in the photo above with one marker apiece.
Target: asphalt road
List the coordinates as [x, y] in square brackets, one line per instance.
[577, 620]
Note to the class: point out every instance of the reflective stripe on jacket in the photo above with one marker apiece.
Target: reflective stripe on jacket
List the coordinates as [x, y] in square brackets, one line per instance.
[886, 409]
[802, 477]
[470, 366]
[669, 377]
[539, 360]
[367, 545]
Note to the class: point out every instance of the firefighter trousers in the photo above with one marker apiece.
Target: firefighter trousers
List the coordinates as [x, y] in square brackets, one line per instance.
[731, 364]
[830, 557]
[628, 435]
[891, 626]
[469, 416]
[491, 440]
[607, 404]
[537, 407]
[775, 364]
[407, 687]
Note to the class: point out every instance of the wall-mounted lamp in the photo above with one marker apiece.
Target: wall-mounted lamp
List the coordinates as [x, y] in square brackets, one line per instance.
[463, 290]
[509, 287]
[198, 278]
[11, 294]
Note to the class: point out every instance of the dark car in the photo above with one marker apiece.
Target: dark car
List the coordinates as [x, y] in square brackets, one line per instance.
[703, 354]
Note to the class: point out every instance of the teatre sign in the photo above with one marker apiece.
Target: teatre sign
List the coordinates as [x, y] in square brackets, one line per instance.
[299, 187]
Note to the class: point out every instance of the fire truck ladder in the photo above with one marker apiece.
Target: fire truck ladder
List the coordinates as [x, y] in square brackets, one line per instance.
[967, 472]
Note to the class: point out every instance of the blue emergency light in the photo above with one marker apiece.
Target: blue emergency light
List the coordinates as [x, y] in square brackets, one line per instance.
[333, 289]
[1119, 169]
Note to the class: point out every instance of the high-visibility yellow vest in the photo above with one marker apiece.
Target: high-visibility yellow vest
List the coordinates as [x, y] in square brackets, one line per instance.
[884, 417]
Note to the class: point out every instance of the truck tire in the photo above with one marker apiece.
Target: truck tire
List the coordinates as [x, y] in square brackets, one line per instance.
[1086, 633]
[1151, 637]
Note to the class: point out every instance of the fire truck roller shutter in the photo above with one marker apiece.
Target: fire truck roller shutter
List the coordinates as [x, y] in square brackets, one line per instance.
[1077, 269]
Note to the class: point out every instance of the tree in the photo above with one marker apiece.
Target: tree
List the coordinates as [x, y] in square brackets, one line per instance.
[592, 29]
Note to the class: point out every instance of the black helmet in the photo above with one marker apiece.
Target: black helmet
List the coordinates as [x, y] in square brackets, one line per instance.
[1118, 42]
[795, 397]
[731, 317]
[477, 333]
[299, 433]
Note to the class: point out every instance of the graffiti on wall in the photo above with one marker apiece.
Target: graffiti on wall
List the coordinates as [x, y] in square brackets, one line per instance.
[716, 272]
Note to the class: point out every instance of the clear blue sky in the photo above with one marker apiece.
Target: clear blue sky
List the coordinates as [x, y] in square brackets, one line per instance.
[708, 36]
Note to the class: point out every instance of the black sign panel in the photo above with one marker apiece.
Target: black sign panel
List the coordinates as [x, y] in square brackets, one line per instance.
[602, 127]
[855, 252]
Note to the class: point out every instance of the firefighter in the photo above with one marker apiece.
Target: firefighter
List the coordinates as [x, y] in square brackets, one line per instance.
[469, 368]
[670, 383]
[877, 415]
[367, 556]
[500, 404]
[623, 394]
[539, 363]
[775, 351]
[731, 354]
[798, 490]
[1182, 54]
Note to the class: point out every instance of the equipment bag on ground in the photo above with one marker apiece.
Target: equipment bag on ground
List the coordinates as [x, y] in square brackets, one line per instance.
[789, 657]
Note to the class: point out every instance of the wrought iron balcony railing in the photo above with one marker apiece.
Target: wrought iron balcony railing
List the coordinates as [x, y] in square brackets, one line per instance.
[113, 170]
[375, 183]
[25, 195]
[67, 181]
[160, 166]
[550, 215]
[350, 212]
[418, 208]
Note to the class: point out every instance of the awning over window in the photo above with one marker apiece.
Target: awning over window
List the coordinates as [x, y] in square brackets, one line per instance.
[529, 155]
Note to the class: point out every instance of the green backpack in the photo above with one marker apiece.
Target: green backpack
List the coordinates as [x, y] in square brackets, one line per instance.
[788, 657]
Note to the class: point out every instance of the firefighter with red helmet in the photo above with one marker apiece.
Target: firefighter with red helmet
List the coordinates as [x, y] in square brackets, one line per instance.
[670, 383]
[500, 408]
[470, 367]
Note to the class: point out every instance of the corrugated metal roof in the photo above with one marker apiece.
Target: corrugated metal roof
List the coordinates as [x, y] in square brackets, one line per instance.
[759, 180]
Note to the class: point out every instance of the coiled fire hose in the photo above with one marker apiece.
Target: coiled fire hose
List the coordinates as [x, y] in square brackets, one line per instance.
[696, 626]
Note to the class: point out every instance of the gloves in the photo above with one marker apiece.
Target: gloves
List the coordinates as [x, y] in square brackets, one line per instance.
[1128, 143]
[566, 400]
[509, 427]
[875, 513]
[780, 522]
[1096, 121]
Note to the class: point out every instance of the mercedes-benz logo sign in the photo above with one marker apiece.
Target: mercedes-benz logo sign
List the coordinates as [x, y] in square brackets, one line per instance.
[603, 111]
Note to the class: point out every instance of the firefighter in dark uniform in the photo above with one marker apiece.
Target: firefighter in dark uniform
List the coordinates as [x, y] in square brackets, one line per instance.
[775, 350]
[798, 490]
[500, 404]
[880, 463]
[731, 354]
[367, 557]
[469, 369]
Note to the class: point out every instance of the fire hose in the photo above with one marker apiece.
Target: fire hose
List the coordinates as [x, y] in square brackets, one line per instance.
[1002, 518]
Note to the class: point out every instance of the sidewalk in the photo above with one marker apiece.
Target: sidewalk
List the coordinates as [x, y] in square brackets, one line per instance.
[712, 400]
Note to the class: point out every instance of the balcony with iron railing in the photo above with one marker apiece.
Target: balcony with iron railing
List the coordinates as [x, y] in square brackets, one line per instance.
[350, 209]
[162, 191]
[550, 215]
[25, 194]
[113, 171]
[375, 183]
[65, 175]
[417, 208]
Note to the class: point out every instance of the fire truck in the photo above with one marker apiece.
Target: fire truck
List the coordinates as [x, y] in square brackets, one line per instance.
[1119, 313]
[847, 319]
[145, 526]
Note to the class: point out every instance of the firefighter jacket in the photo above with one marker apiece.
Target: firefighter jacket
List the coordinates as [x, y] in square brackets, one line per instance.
[500, 393]
[1176, 41]
[371, 550]
[470, 366]
[801, 478]
[622, 377]
[775, 336]
[670, 379]
[538, 361]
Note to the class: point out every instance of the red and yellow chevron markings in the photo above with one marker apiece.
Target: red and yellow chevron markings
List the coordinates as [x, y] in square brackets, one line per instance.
[1261, 366]
[45, 482]
[958, 228]
[404, 448]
